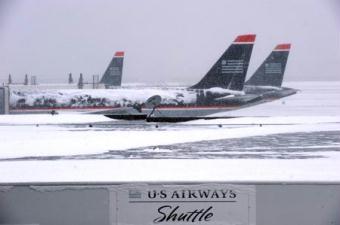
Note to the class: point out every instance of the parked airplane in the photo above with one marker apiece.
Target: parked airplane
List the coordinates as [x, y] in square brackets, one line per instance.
[267, 80]
[222, 89]
[113, 73]
[224, 80]
[265, 84]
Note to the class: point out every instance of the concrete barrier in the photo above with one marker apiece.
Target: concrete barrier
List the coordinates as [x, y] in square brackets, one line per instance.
[171, 203]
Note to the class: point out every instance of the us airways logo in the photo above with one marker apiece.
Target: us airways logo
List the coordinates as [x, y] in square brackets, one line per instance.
[204, 194]
[185, 194]
[232, 66]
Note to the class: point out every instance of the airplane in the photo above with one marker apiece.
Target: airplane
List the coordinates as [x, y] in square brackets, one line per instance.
[221, 89]
[267, 79]
[265, 84]
[225, 79]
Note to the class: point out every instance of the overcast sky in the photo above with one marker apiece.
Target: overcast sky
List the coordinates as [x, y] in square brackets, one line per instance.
[164, 40]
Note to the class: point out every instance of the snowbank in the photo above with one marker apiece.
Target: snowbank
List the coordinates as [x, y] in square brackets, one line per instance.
[95, 97]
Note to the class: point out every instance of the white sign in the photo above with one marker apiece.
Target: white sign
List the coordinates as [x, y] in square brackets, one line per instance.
[206, 204]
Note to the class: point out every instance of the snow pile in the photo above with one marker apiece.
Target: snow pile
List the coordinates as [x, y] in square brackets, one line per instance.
[95, 97]
[120, 97]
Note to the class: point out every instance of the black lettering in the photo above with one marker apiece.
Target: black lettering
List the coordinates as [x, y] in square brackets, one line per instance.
[232, 194]
[175, 194]
[162, 218]
[197, 213]
[183, 193]
[190, 215]
[206, 214]
[173, 214]
[204, 193]
[215, 194]
[182, 217]
[192, 194]
[162, 194]
[170, 214]
[224, 193]
[153, 194]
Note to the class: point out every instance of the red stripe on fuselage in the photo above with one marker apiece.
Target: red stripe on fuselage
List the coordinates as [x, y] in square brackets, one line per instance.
[64, 108]
[194, 107]
[114, 107]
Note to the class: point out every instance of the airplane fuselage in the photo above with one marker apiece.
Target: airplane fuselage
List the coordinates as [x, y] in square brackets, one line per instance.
[205, 103]
[175, 102]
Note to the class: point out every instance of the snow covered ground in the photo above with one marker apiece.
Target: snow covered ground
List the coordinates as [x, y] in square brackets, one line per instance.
[48, 119]
[46, 148]
[32, 140]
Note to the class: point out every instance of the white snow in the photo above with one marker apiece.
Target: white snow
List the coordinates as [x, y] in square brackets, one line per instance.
[59, 141]
[217, 170]
[279, 120]
[104, 97]
[96, 97]
[219, 90]
[41, 119]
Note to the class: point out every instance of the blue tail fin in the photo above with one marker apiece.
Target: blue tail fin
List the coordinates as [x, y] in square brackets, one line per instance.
[113, 73]
[231, 68]
[271, 71]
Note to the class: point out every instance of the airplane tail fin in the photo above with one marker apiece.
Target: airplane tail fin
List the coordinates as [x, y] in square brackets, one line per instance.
[231, 68]
[271, 71]
[113, 73]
